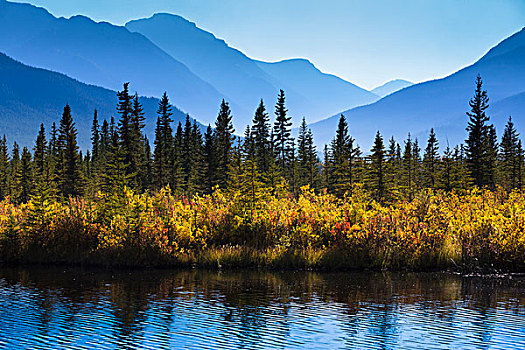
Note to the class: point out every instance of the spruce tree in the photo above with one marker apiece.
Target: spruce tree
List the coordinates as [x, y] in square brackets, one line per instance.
[281, 132]
[95, 138]
[509, 156]
[4, 168]
[343, 155]
[223, 143]
[306, 157]
[210, 158]
[431, 160]
[477, 143]
[261, 138]
[40, 152]
[376, 176]
[163, 157]
[138, 154]
[14, 170]
[69, 166]
[408, 168]
[24, 177]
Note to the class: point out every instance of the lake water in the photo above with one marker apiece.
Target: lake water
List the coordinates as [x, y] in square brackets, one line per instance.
[50, 308]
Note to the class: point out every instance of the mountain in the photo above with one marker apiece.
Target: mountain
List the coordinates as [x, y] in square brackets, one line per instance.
[102, 54]
[391, 87]
[30, 96]
[310, 93]
[327, 93]
[442, 103]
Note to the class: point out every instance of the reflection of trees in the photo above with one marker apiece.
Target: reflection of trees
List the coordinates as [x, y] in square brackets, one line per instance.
[250, 304]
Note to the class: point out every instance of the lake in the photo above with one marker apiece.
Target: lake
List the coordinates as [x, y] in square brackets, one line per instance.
[53, 308]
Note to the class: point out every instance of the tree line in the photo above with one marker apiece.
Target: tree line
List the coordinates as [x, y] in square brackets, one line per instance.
[266, 158]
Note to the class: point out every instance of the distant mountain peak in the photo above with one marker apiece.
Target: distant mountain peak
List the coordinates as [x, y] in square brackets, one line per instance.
[509, 44]
[391, 87]
[295, 61]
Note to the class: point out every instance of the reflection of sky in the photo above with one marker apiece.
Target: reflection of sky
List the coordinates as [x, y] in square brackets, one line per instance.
[32, 318]
[366, 42]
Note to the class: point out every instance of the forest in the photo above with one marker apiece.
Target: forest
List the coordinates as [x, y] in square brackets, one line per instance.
[265, 199]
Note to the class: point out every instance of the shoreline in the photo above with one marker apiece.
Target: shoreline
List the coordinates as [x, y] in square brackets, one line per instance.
[291, 263]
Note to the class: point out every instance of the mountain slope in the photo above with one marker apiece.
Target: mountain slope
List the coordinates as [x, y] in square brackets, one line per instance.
[30, 96]
[391, 87]
[309, 92]
[442, 103]
[102, 54]
[327, 93]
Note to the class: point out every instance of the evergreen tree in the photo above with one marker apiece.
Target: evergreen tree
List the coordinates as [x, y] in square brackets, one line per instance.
[431, 160]
[281, 132]
[223, 143]
[343, 157]
[478, 143]
[408, 168]
[306, 157]
[210, 159]
[69, 166]
[393, 166]
[4, 168]
[510, 156]
[491, 157]
[163, 152]
[14, 170]
[40, 152]
[418, 171]
[95, 137]
[138, 154]
[376, 176]
[24, 177]
[261, 138]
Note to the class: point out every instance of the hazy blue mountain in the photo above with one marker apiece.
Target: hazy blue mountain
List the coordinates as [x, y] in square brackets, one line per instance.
[310, 93]
[327, 93]
[30, 96]
[102, 54]
[442, 103]
[391, 87]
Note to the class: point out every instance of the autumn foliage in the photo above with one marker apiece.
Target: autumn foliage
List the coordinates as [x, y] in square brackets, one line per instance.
[478, 229]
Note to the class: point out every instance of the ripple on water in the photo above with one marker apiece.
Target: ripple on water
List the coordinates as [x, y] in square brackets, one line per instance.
[88, 309]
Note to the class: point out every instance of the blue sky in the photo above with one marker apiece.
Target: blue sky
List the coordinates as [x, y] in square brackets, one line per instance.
[366, 42]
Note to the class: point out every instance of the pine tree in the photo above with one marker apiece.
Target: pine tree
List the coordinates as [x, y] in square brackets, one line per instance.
[14, 170]
[491, 157]
[408, 168]
[477, 142]
[306, 157]
[69, 166]
[4, 168]
[223, 143]
[24, 177]
[261, 138]
[210, 158]
[343, 157]
[138, 154]
[281, 132]
[95, 137]
[163, 157]
[40, 152]
[510, 157]
[431, 160]
[376, 176]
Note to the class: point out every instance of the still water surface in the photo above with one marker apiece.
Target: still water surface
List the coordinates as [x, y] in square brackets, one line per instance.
[50, 308]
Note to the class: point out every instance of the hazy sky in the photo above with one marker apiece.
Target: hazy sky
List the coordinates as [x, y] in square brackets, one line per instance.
[367, 42]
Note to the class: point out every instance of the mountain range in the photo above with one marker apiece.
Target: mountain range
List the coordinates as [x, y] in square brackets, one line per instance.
[310, 93]
[30, 96]
[84, 62]
[391, 87]
[442, 103]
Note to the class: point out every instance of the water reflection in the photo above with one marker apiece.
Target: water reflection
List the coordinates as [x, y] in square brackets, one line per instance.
[74, 308]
